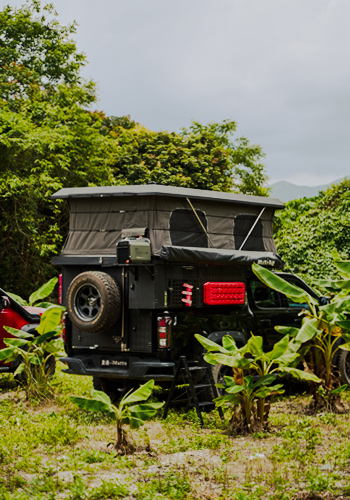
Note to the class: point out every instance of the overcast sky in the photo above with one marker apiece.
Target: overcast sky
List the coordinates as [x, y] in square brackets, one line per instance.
[279, 68]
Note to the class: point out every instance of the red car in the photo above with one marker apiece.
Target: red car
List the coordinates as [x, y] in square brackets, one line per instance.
[12, 314]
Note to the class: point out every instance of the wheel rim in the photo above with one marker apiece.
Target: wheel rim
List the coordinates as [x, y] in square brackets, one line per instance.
[87, 302]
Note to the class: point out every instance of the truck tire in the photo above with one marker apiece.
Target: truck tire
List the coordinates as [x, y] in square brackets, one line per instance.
[344, 366]
[93, 301]
[114, 388]
[218, 372]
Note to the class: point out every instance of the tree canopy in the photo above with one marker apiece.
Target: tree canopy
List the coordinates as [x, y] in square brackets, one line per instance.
[310, 228]
[50, 138]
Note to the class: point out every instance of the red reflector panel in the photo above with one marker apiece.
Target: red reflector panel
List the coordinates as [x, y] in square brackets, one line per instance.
[223, 293]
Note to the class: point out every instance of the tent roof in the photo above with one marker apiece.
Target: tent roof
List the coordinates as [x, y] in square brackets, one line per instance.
[159, 190]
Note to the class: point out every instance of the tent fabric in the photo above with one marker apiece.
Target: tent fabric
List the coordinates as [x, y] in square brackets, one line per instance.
[97, 224]
[219, 257]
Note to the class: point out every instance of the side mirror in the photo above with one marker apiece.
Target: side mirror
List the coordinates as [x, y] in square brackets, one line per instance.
[4, 302]
[323, 301]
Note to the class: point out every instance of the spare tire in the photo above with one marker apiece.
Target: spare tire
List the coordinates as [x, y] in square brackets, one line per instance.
[93, 301]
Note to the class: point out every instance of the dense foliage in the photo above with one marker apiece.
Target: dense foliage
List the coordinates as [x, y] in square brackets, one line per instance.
[49, 139]
[309, 228]
[201, 156]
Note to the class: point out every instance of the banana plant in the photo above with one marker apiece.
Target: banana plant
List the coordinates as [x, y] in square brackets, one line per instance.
[325, 329]
[36, 297]
[36, 353]
[242, 390]
[124, 414]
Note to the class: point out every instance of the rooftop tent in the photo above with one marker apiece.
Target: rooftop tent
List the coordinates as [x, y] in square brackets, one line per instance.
[170, 216]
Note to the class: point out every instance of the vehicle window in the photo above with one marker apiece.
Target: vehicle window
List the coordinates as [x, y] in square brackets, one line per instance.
[186, 230]
[264, 296]
[242, 225]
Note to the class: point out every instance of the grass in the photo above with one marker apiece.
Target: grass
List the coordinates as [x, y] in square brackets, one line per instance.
[55, 451]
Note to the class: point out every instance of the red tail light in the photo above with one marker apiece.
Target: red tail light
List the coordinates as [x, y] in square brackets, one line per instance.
[215, 293]
[60, 289]
[63, 335]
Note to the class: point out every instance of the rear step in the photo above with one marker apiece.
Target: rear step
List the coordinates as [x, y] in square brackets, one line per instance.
[186, 374]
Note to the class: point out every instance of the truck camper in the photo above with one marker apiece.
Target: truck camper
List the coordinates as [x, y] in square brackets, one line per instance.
[146, 267]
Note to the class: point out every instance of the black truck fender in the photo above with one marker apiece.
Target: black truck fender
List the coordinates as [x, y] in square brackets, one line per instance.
[238, 337]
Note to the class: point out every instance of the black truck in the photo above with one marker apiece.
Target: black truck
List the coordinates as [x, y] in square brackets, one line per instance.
[146, 267]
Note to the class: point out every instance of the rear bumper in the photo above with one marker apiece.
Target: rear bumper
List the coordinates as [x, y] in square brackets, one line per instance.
[138, 369]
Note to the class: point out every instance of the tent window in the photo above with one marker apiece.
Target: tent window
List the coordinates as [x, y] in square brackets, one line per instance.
[185, 229]
[242, 225]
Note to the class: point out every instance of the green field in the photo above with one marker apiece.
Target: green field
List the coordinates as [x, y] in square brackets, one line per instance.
[53, 450]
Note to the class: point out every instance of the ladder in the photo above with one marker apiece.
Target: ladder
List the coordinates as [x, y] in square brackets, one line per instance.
[193, 393]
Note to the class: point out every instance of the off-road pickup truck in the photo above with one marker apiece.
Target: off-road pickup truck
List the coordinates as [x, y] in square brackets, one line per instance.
[12, 314]
[144, 268]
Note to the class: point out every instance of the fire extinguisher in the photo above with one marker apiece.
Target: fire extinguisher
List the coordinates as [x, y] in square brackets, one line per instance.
[165, 322]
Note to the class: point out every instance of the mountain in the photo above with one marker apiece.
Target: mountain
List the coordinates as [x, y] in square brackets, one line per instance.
[286, 191]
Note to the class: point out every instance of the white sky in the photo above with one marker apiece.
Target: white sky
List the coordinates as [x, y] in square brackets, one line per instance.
[279, 68]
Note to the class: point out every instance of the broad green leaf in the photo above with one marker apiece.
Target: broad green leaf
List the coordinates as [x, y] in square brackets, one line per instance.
[287, 330]
[340, 389]
[101, 396]
[15, 342]
[45, 305]
[210, 345]
[7, 352]
[53, 348]
[229, 380]
[331, 285]
[255, 346]
[144, 411]
[279, 348]
[299, 374]
[343, 267]
[345, 347]
[343, 305]
[335, 254]
[34, 359]
[227, 398]
[307, 331]
[228, 360]
[344, 325]
[234, 389]
[141, 394]
[229, 343]
[265, 380]
[134, 422]
[17, 298]
[92, 404]
[280, 285]
[18, 333]
[50, 319]
[264, 392]
[44, 291]
[44, 337]
[20, 369]
[287, 359]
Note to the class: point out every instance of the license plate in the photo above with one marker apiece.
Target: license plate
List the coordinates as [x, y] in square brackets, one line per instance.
[115, 363]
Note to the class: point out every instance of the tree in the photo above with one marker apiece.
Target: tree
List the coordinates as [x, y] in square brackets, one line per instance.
[309, 228]
[201, 156]
[36, 53]
[49, 139]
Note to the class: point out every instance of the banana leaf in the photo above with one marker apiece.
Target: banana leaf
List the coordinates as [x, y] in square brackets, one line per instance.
[44, 291]
[141, 394]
